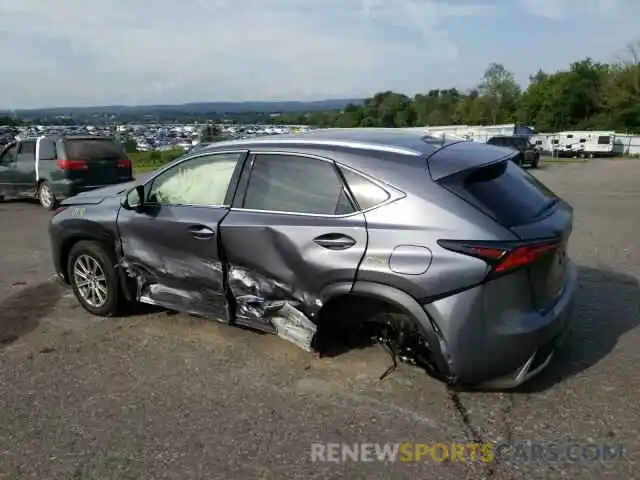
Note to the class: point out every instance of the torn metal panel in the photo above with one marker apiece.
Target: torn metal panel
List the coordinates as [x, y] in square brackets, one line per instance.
[294, 326]
[190, 297]
[262, 301]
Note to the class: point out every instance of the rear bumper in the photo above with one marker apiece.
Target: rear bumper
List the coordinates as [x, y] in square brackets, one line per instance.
[505, 350]
[530, 351]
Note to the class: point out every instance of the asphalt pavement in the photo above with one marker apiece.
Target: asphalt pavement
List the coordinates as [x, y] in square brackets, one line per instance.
[159, 395]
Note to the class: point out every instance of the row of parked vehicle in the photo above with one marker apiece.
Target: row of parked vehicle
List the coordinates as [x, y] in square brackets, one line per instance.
[446, 251]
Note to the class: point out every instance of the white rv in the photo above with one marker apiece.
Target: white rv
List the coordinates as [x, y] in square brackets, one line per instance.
[583, 144]
[478, 133]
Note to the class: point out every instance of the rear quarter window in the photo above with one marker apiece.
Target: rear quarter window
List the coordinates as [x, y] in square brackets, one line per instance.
[366, 193]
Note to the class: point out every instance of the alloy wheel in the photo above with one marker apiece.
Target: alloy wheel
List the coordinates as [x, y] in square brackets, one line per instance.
[90, 280]
[46, 197]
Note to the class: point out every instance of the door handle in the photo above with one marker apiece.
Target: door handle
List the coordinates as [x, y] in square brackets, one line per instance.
[335, 241]
[200, 232]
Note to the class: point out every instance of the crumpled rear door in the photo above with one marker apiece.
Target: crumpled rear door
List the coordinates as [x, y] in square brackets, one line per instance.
[280, 261]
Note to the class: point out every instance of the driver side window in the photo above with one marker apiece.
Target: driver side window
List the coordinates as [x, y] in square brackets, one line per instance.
[200, 181]
[9, 155]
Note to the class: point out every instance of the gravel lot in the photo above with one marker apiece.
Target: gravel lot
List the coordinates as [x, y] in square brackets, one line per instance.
[157, 395]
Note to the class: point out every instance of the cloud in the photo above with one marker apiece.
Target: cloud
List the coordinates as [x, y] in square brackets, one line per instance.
[88, 52]
[575, 9]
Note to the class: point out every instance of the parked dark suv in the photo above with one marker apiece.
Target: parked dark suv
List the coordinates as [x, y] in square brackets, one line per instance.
[52, 168]
[529, 154]
[449, 251]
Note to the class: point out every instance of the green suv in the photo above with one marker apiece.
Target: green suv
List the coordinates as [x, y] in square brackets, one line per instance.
[529, 153]
[51, 168]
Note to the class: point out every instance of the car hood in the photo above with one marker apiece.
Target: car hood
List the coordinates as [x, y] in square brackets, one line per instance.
[99, 194]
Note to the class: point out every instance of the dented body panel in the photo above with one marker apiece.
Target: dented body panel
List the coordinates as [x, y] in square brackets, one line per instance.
[170, 266]
[275, 258]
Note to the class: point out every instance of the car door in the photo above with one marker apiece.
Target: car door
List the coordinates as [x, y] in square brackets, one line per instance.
[171, 244]
[8, 170]
[292, 232]
[26, 167]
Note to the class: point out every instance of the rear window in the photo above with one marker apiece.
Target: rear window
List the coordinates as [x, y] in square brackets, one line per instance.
[87, 149]
[504, 191]
[604, 140]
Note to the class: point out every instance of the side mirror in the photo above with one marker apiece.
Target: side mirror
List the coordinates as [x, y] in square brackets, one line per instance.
[134, 198]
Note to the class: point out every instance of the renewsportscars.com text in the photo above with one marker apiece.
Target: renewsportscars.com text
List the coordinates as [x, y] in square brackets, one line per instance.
[466, 452]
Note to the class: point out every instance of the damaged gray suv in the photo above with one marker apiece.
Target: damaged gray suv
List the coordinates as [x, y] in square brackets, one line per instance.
[446, 251]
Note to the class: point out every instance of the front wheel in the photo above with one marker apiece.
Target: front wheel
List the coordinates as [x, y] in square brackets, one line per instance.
[94, 279]
[46, 197]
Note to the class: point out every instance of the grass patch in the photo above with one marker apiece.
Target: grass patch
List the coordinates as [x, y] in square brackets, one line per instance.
[148, 161]
[144, 168]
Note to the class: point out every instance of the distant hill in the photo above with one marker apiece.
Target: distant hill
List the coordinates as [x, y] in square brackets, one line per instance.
[191, 109]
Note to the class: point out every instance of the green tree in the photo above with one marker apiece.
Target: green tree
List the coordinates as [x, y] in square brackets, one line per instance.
[621, 93]
[211, 133]
[501, 92]
[130, 145]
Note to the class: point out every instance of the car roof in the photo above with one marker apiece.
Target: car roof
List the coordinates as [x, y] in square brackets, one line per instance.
[59, 136]
[392, 140]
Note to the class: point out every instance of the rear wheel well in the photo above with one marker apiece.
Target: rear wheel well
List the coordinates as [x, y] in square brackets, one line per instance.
[356, 321]
[353, 308]
[354, 314]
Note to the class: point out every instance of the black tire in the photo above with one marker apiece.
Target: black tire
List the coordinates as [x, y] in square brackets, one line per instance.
[536, 162]
[105, 258]
[46, 197]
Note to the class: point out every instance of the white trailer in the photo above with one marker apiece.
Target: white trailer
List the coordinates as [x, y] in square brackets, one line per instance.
[590, 144]
[478, 133]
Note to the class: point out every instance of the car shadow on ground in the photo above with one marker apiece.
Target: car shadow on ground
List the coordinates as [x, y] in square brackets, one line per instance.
[20, 313]
[607, 305]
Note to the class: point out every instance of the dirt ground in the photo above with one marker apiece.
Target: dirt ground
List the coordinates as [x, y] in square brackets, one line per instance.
[159, 395]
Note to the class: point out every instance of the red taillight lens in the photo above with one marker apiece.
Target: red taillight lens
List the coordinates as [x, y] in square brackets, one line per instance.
[503, 257]
[124, 163]
[524, 255]
[72, 165]
[60, 209]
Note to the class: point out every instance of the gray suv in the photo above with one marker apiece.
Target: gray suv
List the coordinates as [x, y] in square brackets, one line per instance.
[449, 251]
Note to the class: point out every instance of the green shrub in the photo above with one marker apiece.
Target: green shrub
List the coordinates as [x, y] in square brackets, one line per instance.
[156, 158]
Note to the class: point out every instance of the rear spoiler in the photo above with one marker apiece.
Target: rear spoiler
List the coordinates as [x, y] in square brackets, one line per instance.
[457, 157]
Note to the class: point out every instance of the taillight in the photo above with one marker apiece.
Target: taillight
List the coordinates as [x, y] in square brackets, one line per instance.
[503, 257]
[124, 163]
[72, 165]
[60, 209]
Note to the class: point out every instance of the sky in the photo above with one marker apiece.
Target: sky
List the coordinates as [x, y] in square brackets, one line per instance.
[134, 52]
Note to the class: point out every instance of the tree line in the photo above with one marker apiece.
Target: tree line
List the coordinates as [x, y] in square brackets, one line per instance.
[587, 95]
